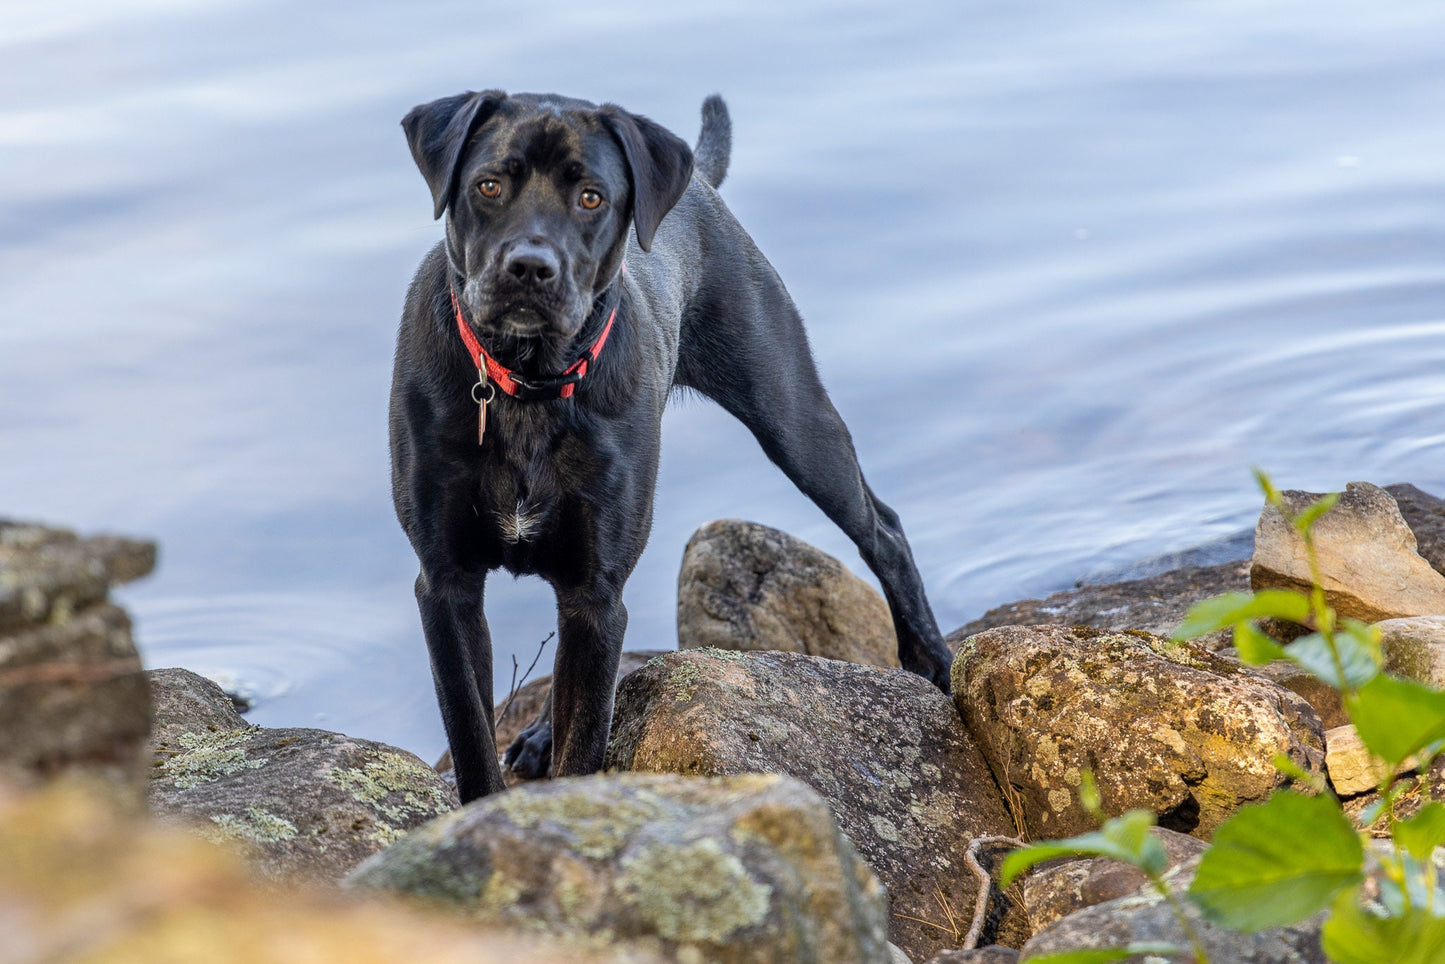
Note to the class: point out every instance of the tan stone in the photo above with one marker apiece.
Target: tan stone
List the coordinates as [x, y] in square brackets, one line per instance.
[745, 586]
[1351, 767]
[1369, 566]
[1414, 647]
[1164, 727]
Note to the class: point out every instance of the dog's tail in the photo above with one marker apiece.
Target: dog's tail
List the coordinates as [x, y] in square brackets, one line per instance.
[715, 143]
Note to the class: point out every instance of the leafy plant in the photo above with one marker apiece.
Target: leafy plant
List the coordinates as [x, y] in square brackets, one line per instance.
[1298, 854]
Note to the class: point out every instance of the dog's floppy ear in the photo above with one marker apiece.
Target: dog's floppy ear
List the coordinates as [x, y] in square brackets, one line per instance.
[438, 131]
[659, 163]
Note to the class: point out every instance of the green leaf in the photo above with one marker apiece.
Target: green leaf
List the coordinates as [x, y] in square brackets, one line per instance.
[1089, 797]
[1121, 838]
[1422, 833]
[1131, 833]
[1397, 718]
[1353, 935]
[1236, 607]
[1103, 955]
[1307, 518]
[1299, 774]
[1276, 863]
[1254, 647]
[1271, 494]
[1361, 664]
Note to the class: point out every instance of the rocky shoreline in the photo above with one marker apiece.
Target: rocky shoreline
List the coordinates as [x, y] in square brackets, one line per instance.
[777, 789]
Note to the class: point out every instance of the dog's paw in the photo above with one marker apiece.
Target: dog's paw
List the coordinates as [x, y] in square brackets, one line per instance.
[530, 755]
[937, 670]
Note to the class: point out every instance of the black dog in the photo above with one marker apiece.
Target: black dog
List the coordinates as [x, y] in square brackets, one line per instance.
[537, 350]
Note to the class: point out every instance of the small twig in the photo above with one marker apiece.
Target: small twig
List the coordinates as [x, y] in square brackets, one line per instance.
[515, 684]
[980, 903]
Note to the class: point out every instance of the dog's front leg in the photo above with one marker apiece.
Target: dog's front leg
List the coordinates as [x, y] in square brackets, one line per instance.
[590, 627]
[461, 664]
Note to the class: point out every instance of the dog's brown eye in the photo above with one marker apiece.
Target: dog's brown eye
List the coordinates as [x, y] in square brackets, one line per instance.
[590, 200]
[490, 189]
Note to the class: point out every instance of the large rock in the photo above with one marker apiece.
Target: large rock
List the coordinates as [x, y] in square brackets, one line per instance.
[1145, 917]
[304, 803]
[750, 868]
[883, 747]
[1369, 566]
[745, 586]
[1058, 888]
[993, 954]
[1156, 604]
[72, 693]
[1164, 727]
[78, 882]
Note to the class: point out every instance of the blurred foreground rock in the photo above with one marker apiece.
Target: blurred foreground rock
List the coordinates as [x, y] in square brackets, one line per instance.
[72, 694]
[885, 748]
[744, 586]
[750, 868]
[1369, 565]
[1164, 727]
[80, 882]
[303, 803]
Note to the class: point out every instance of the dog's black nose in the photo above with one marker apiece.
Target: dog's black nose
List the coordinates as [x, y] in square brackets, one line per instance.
[533, 264]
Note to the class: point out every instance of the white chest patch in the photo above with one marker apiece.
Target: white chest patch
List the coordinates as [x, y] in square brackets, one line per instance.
[521, 525]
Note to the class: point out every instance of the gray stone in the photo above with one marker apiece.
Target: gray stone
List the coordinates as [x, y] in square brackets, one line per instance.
[186, 702]
[1425, 515]
[1369, 567]
[1156, 604]
[1164, 727]
[883, 747]
[751, 868]
[1145, 917]
[1058, 888]
[745, 586]
[304, 803]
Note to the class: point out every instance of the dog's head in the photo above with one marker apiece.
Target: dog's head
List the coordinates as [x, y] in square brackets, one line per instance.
[539, 191]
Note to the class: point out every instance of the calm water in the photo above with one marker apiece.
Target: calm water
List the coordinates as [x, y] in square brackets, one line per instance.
[1069, 269]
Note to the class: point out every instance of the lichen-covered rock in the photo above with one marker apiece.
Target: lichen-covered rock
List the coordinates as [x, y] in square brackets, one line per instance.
[1326, 700]
[1145, 917]
[72, 692]
[1369, 566]
[745, 586]
[304, 803]
[1156, 604]
[1060, 887]
[186, 702]
[79, 882]
[883, 747]
[1164, 727]
[750, 868]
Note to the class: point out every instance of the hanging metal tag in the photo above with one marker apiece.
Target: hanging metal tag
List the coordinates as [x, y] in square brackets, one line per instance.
[482, 393]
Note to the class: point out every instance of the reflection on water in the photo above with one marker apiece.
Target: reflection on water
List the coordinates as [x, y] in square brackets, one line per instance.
[1069, 271]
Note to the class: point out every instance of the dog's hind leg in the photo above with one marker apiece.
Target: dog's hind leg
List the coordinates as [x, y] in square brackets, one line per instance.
[461, 663]
[754, 360]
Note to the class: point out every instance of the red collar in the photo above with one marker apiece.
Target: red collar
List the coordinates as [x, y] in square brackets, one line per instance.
[521, 386]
